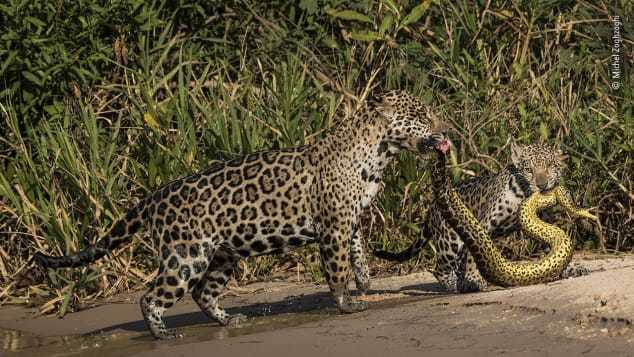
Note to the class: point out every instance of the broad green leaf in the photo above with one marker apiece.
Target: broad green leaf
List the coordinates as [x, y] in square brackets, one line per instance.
[417, 12]
[349, 15]
[149, 120]
[8, 61]
[310, 6]
[386, 24]
[35, 21]
[392, 6]
[7, 9]
[32, 78]
[365, 36]
[330, 42]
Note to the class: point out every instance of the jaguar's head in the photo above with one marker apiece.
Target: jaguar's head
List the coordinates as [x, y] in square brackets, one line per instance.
[412, 125]
[540, 164]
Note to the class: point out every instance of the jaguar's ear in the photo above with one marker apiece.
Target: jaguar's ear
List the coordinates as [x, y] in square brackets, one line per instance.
[516, 153]
[559, 154]
[439, 125]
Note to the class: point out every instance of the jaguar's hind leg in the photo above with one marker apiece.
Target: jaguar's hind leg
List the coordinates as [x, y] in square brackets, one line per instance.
[469, 277]
[447, 260]
[180, 276]
[208, 290]
[154, 303]
[359, 264]
[153, 309]
[447, 278]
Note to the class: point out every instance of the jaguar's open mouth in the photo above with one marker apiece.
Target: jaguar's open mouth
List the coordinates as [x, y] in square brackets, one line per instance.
[443, 146]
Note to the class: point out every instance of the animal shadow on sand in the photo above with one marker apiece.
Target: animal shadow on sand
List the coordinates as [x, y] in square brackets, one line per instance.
[318, 302]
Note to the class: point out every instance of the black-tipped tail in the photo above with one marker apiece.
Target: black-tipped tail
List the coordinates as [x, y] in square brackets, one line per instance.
[403, 255]
[84, 257]
[121, 231]
[413, 250]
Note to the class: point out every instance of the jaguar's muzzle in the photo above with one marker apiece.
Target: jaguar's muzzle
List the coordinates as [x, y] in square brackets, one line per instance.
[438, 142]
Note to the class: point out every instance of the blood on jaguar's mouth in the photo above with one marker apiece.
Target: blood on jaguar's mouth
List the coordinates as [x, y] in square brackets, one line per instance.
[443, 146]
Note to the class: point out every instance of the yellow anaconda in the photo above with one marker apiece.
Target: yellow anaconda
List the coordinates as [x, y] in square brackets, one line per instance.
[491, 263]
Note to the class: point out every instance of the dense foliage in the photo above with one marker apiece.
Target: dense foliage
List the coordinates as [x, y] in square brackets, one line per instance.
[102, 102]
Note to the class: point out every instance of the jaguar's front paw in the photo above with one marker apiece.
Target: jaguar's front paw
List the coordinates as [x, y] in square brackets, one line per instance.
[236, 320]
[575, 271]
[351, 307]
[169, 334]
[363, 285]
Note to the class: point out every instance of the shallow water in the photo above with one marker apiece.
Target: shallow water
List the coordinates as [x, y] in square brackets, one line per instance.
[18, 343]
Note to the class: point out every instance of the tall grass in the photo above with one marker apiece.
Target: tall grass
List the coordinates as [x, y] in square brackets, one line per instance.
[132, 95]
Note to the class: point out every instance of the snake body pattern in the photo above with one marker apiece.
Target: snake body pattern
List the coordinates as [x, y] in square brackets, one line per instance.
[493, 266]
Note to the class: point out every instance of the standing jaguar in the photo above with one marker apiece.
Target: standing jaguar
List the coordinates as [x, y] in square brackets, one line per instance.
[495, 201]
[268, 202]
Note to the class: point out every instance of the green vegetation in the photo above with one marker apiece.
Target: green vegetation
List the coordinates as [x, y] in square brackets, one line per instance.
[103, 102]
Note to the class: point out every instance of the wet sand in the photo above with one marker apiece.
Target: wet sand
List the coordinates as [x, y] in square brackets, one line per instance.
[409, 315]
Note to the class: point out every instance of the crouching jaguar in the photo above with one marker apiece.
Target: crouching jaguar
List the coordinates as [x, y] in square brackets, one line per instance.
[268, 202]
[495, 200]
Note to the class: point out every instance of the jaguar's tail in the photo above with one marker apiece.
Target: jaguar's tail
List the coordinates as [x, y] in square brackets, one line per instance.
[120, 232]
[403, 255]
[410, 252]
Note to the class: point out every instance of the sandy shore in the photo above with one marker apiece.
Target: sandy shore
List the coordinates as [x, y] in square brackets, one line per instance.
[409, 315]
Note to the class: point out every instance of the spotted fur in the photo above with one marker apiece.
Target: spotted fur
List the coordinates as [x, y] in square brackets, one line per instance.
[495, 201]
[268, 202]
[490, 262]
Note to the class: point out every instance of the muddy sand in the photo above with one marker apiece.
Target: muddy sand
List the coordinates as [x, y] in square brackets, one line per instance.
[409, 315]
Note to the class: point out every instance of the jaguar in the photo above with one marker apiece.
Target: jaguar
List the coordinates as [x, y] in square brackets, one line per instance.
[493, 266]
[267, 202]
[495, 200]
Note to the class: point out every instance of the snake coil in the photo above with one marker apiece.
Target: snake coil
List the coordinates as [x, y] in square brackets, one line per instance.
[490, 261]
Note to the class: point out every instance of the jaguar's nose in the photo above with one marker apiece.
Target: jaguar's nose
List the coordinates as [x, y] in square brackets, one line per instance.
[541, 180]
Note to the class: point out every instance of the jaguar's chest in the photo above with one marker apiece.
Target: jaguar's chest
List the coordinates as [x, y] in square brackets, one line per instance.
[369, 191]
[496, 202]
[370, 179]
[503, 213]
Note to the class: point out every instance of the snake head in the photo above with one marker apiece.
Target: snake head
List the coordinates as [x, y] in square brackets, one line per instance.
[585, 213]
[565, 200]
